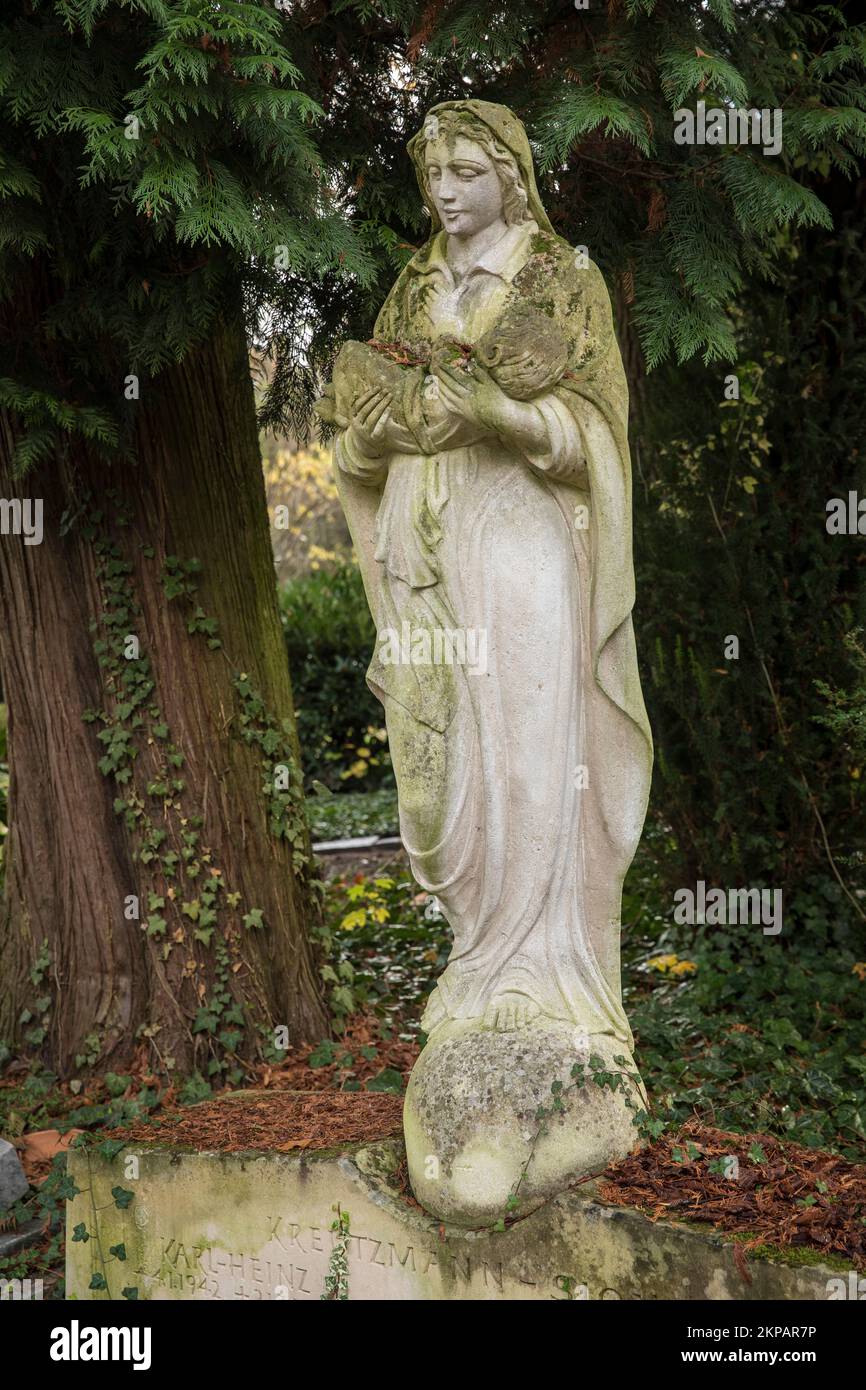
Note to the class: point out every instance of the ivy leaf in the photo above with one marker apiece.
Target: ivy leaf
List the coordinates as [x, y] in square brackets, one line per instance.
[66, 1189]
[322, 1054]
[110, 1148]
[388, 1080]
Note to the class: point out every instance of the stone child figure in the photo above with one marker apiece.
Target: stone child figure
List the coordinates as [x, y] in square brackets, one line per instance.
[482, 460]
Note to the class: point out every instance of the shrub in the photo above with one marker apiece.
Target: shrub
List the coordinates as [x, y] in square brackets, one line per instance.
[330, 637]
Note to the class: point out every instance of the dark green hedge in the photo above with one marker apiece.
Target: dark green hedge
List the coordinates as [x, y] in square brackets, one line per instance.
[330, 638]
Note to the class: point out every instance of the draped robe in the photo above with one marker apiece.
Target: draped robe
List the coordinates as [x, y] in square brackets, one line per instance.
[522, 781]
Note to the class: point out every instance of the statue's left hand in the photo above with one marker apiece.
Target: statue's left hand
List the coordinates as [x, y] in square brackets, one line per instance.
[475, 396]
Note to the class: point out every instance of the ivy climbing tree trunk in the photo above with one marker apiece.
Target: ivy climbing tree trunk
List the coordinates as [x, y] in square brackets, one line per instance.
[159, 884]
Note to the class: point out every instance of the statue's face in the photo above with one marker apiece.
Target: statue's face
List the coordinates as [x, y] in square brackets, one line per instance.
[464, 185]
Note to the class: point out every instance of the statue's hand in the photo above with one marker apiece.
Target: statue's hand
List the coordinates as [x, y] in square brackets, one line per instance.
[519, 376]
[370, 421]
[475, 396]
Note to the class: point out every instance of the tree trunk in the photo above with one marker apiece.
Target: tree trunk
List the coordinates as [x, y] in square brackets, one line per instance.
[128, 885]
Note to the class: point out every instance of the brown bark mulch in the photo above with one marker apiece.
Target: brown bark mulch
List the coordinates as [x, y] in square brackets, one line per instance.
[296, 1074]
[279, 1121]
[796, 1197]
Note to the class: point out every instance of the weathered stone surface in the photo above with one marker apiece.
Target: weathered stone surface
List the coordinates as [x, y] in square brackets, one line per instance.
[28, 1233]
[471, 1119]
[13, 1183]
[258, 1226]
[481, 455]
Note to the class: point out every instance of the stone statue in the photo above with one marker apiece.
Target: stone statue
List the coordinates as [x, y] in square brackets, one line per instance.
[482, 460]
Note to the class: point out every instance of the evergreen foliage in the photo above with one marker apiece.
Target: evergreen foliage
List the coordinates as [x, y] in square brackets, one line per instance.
[760, 755]
[269, 169]
[158, 168]
[680, 231]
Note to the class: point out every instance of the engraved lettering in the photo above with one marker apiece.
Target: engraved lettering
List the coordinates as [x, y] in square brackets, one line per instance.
[402, 1259]
[496, 1277]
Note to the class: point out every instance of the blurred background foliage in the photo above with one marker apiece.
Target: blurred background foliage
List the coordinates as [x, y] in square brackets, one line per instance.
[330, 638]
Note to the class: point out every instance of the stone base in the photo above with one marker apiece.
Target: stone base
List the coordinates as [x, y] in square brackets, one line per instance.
[474, 1138]
[258, 1226]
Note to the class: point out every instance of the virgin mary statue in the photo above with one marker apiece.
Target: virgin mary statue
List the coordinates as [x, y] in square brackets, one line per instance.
[482, 460]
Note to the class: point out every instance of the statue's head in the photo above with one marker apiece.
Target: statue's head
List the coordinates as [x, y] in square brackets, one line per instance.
[474, 168]
[469, 177]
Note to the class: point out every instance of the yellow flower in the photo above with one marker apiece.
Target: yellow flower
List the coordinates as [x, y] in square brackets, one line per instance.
[683, 967]
[662, 963]
[357, 769]
[671, 965]
[859, 969]
[354, 919]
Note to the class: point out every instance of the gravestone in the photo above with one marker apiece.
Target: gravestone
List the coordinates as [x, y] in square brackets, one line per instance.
[170, 1223]
[13, 1183]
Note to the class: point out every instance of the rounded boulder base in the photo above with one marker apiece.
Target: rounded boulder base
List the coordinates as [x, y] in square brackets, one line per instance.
[471, 1126]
